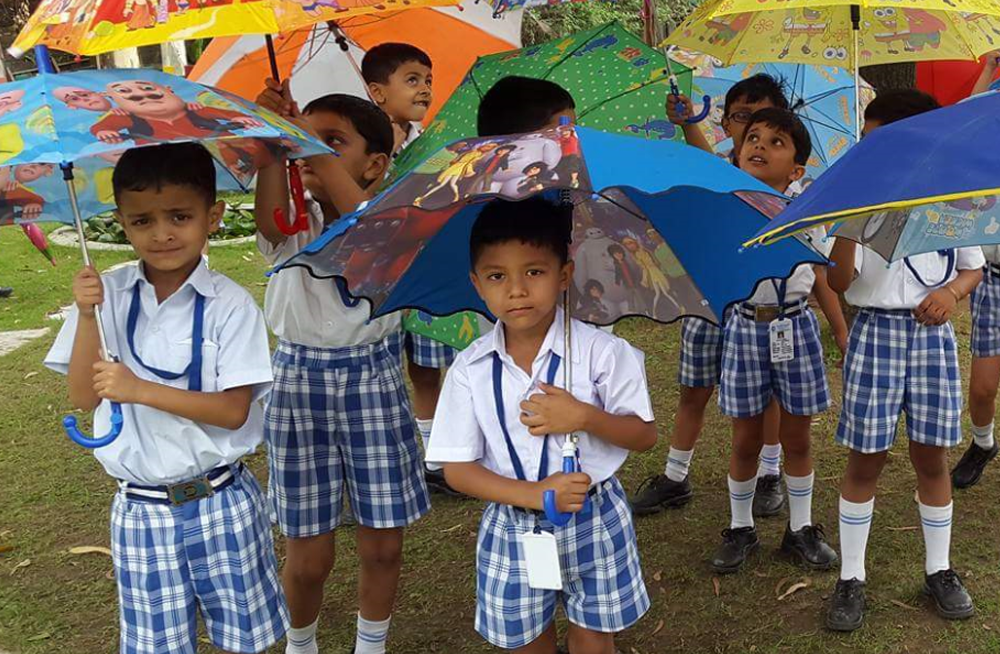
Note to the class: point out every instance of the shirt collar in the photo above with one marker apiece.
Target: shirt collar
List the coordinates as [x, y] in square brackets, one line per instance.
[200, 279]
[554, 342]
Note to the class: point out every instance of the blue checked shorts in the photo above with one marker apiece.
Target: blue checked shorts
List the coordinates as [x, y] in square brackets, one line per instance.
[701, 354]
[603, 589]
[428, 353]
[985, 303]
[340, 417]
[214, 556]
[750, 380]
[894, 364]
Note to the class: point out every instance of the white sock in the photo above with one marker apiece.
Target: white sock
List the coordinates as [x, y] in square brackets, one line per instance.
[302, 640]
[936, 521]
[424, 427]
[371, 636]
[800, 500]
[678, 464]
[855, 523]
[770, 460]
[983, 436]
[741, 502]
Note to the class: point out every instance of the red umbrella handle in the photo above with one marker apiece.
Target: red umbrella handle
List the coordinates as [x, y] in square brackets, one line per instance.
[300, 221]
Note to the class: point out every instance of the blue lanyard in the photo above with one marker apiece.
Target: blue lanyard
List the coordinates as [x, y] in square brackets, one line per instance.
[193, 371]
[543, 467]
[949, 269]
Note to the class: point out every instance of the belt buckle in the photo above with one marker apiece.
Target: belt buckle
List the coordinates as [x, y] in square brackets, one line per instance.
[765, 313]
[188, 491]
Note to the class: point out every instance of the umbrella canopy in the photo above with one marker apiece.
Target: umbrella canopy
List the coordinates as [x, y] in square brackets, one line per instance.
[501, 7]
[640, 237]
[949, 81]
[316, 62]
[90, 27]
[918, 185]
[619, 85]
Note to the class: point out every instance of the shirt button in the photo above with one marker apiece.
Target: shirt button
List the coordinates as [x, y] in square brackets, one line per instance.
[155, 330]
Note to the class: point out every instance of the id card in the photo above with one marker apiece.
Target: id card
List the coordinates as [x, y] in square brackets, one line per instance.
[541, 557]
[782, 340]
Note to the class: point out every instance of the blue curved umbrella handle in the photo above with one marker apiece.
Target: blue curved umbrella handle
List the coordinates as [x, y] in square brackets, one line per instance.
[78, 437]
[706, 105]
[555, 516]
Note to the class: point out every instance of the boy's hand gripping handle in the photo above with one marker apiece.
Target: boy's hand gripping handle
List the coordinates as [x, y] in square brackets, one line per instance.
[80, 438]
[569, 466]
[297, 191]
[705, 99]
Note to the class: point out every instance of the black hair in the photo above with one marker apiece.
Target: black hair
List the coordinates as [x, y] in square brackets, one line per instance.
[515, 105]
[897, 104]
[181, 164]
[381, 62]
[787, 122]
[615, 248]
[592, 285]
[534, 221]
[540, 165]
[371, 122]
[757, 88]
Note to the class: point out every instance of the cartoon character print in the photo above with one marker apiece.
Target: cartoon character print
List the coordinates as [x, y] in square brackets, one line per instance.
[531, 149]
[570, 166]
[726, 28]
[653, 279]
[461, 169]
[591, 306]
[17, 200]
[10, 101]
[806, 22]
[984, 24]
[662, 130]
[537, 177]
[497, 161]
[917, 29]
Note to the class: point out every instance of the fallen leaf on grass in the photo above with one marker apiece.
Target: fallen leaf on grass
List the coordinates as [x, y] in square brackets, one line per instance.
[31, 374]
[23, 564]
[715, 585]
[110, 575]
[246, 258]
[42, 636]
[658, 575]
[89, 549]
[451, 529]
[6, 548]
[794, 588]
[659, 626]
[987, 627]
[911, 528]
[903, 605]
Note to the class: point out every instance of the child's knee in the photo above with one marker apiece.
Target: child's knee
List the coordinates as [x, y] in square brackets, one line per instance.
[585, 641]
[929, 462]
[982, 392]
[694, 399]
[380, 548]
[309, 561]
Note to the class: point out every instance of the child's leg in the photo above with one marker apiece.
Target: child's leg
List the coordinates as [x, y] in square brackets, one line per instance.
[985, 378]
[381, 555]
[426, 389]
[547, 643]
[740, 540]
[308, 563]
[586, 641]
[425, 361]
[769, 497]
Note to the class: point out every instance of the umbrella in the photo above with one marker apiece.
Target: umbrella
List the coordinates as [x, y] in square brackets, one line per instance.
[618, 82]
[502, 7]
[839, 32]
[822, 96]
[326, 58]
[918, 185]
[79, 123]
[638, 235]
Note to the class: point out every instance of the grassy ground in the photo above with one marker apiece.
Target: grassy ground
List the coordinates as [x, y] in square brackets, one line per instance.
[54, 496]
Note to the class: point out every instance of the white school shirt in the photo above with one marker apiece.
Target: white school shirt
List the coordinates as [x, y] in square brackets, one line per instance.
[416, 129]
[607, 372]
[802, 279]
[156, 447]
[992, 254]
[892, 286]
[307, 311]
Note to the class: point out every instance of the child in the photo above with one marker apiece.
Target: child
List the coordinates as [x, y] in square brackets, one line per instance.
[701, 341]
[338, 420]
[189, 525]
[518, 254]
[515, 105]
[775, 149]
[399, 80]
[901, 357]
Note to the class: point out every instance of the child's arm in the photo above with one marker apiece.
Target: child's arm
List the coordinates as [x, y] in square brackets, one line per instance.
[829, 303]
[991, 60]
[474, 480]
[89, 293]
[840, 276]
[936, 309]
[679, 107]
[344, 192]
[271, 194]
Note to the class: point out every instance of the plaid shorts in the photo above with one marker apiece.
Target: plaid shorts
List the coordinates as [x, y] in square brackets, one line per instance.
[985, 303]
[428, 353]
[701, 354]
[603, 588]
[895, 364]
[749, 379]
[215, 554]
[340, 417]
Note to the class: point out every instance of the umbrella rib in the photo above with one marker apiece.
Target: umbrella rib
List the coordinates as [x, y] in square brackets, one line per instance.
[577, 49]
[600, 104]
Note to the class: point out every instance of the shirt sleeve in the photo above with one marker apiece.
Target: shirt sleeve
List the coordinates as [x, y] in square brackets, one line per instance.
[244, 355]
[456, 436]
[970, 258]
[61, 351]
[621, 381]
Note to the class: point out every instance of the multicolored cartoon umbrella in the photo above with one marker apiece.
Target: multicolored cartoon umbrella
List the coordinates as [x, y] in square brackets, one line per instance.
[618, 82]
[61, 135]
[503, 7]
[922, 184]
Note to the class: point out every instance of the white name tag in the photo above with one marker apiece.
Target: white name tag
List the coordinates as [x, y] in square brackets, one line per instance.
[782, 340]
[541, 557]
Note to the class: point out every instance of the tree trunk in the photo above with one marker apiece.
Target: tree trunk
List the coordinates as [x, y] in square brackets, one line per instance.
[890, 76]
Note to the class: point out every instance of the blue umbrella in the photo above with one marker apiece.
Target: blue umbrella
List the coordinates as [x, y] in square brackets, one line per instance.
[923, 184]
[657, 229]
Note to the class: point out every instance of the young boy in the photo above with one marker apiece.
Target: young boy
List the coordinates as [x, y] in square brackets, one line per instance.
[338, 420]
[701, 341]
[901, 357]
[189, 525]
[775, 149]
[501, 423]
[399, 80]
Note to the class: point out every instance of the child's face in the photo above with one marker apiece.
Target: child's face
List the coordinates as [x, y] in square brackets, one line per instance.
[769, 155]
[340, 134]
[735, 122]
[168, 227]
[407, 96]
[520, 283]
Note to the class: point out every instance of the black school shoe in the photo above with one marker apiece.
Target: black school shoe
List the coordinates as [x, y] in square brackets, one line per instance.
[951, 599]
[737, 545]
[436, 483]
[970, 468]
[6, 291]
[809, 546]
[660, 492]
[769, 497]
[847, 606]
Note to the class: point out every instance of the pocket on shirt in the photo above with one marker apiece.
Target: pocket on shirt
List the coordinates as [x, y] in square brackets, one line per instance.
[180, 353]
[931, 267]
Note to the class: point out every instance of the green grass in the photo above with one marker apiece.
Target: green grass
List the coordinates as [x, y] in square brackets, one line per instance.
[54, 496]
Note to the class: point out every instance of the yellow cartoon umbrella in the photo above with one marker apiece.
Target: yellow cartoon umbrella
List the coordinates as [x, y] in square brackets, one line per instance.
[840, 33]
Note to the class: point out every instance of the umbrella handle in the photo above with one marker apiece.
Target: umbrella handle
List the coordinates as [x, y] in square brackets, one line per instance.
[556, 517]
[705, 99]
[80, 438]
[300, 223]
